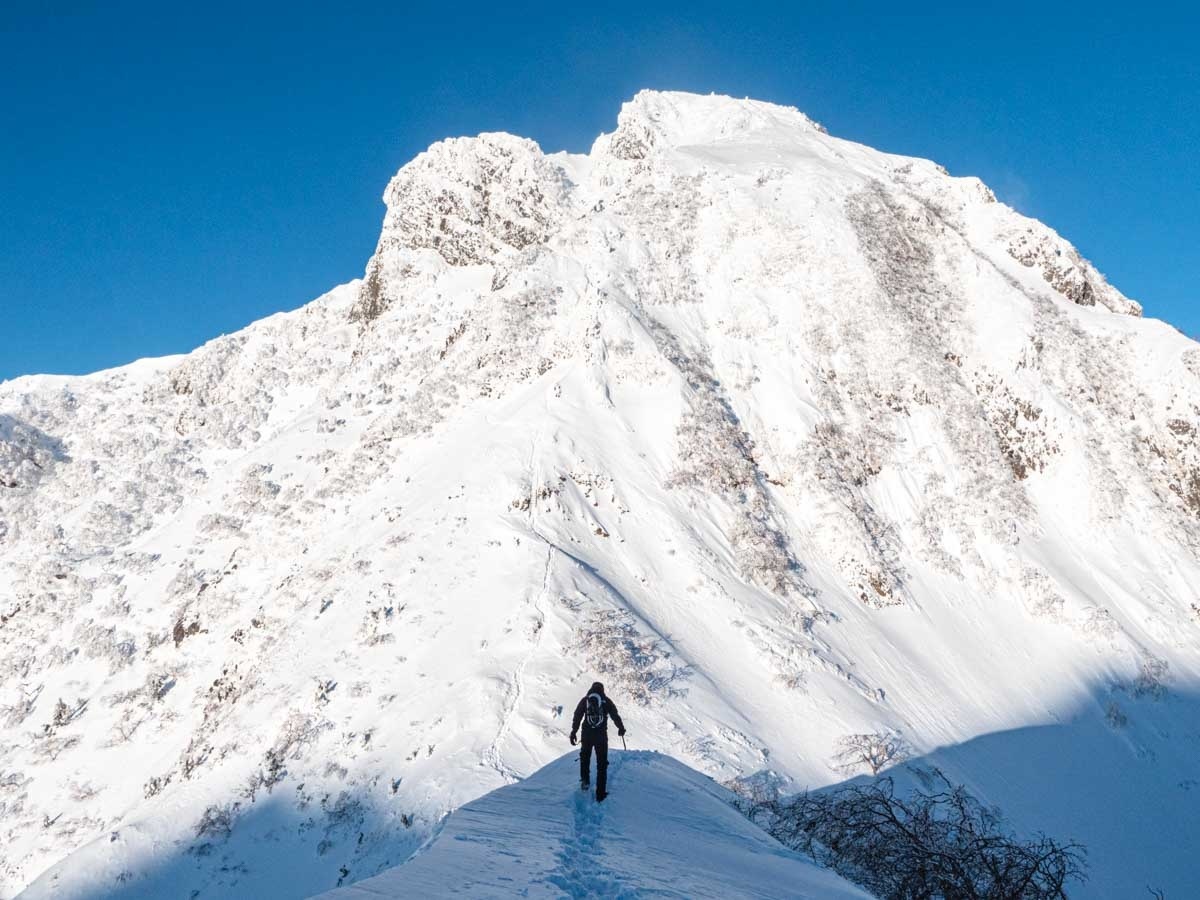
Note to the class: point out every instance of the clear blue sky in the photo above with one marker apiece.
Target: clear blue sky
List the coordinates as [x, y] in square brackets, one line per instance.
[171, 173]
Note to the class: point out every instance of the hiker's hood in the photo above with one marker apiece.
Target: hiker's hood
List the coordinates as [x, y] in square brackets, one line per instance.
[596, 688]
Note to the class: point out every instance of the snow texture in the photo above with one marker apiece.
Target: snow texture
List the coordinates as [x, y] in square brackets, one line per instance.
[786, 439]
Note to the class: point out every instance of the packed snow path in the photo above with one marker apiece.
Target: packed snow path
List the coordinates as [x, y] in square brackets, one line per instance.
[664, 831]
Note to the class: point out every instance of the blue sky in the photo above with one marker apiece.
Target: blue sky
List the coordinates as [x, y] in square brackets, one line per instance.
[168, 175]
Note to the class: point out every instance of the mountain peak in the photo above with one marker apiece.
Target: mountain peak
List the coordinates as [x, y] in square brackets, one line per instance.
[767, 430]
[663, 119]
[488, 199]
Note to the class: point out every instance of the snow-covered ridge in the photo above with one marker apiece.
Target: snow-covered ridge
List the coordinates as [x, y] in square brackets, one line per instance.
[667, 832]
[786, 438]
[656, 120]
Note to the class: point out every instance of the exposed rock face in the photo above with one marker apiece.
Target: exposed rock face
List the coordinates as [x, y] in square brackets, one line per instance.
[787, 438]
[1067, 272]
[472, 200]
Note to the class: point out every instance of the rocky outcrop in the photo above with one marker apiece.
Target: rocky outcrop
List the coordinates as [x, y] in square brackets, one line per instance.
[469, 200]
[1067, 272]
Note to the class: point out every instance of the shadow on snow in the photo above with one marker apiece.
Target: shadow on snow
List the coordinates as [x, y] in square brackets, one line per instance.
[1119, 773]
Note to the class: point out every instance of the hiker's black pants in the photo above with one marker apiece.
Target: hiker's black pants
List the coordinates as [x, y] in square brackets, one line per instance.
[599, 742]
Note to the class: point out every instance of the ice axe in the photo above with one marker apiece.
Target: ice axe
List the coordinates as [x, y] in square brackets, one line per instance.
[623, 744]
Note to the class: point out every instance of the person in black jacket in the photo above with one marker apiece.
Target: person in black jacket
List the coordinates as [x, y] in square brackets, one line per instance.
[594, 711]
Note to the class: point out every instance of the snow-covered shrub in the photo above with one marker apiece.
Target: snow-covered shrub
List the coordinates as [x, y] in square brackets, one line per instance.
[297, 734]
[26, 454]
[66, 713]
[875, 750]
[937, 843]
[224, 692]
[155, 784]
[1021, 429]
[181, 632]
[24, 659]
[875, 585]
[717, 455]
[1151, 680]
[840, 459]
[219, 525]
[157, 685]
[1042, 597]
[853, 455]
[345, 810]
[763, 555]
[757, 795]
[638, 664]
[81, 792]
[254, 490]
[126, 727]
[216, 822]
[49, 746]
[194, 756]
[106, 524]
[17, 712]
[374, 629]
[344, 816]
[1114, 715]
[1098, 622]
[325, 687]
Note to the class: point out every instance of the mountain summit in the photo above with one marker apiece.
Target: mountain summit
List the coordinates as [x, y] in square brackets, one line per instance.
[790, 441]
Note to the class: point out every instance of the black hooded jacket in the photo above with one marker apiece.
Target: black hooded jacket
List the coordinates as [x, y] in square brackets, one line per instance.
[609, 707]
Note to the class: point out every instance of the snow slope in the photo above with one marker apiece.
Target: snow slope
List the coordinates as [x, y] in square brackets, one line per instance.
[665, 831]
[784, 438]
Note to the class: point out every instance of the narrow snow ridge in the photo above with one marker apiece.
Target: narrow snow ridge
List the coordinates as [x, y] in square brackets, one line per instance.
[665, 831]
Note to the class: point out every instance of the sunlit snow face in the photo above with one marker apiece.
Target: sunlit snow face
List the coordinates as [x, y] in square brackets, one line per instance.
[788, 441]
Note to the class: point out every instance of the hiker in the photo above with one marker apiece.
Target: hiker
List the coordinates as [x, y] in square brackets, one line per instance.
[593, 711]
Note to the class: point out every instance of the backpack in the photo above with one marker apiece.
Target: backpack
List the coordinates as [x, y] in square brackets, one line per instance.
[596, 715]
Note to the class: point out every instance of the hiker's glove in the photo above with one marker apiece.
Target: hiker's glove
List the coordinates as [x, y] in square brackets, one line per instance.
[620, 732]
[573, 739]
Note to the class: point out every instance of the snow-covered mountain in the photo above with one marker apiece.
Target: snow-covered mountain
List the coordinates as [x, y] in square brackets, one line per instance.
[786, 439]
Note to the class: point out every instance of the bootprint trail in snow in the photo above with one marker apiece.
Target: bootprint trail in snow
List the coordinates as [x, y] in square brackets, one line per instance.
[582, 874]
